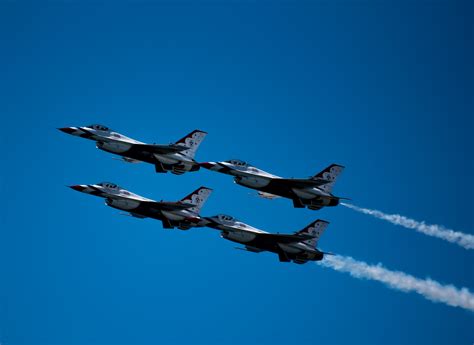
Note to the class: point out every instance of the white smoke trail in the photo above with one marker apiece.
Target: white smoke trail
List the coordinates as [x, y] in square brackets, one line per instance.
[457, 237]
[428, 288]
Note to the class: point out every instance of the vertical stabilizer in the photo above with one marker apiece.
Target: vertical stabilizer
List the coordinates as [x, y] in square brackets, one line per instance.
[197, 198]
[192, 140]
[330, 173]
[315, 229]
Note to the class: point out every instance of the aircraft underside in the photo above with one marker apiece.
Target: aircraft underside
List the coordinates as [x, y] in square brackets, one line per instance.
[146, 212]
[315, 203]
[259, 244]
[177, 168]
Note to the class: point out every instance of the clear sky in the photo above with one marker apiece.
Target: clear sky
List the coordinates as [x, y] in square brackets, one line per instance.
[382, 87]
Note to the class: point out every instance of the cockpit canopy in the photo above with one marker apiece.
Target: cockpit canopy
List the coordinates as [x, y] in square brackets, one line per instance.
[108, 185]
[237, 162]
[226, 218]
[99, 127]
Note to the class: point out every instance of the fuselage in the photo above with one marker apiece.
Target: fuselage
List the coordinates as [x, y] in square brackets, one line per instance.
[236, 231]
[257, 179]
[130, 150]
[139, 206]
[170, 161]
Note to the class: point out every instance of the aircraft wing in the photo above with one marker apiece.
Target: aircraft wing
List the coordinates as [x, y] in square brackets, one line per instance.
[281, 238]
[299, 183]
[157, 205]
[161, 149]
[168, 206]
[170, 224]
[276, 238]
[153, 148]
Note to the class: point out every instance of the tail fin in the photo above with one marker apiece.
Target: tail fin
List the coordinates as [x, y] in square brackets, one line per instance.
[330, 173]
[192, 140]
[315, 229]
[198, 198]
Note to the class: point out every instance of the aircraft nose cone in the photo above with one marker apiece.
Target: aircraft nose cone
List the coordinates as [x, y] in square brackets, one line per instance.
[207, 165]
[67, 130]
[77, 187]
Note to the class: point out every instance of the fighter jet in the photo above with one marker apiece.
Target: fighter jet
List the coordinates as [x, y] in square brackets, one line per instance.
[314, 192]
[299, 247]
[177, 158]
[182, 214]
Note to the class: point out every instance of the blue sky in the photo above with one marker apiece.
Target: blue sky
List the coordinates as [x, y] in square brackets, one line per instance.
[383, 87]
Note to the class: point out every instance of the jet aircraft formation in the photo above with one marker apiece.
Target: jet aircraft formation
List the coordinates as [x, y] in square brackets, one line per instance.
[313, 193]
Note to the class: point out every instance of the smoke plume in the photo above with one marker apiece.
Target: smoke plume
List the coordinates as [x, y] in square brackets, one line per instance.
[464, 240]
[401, 281]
